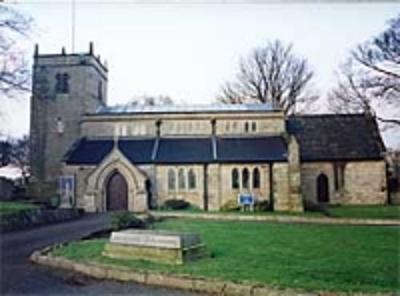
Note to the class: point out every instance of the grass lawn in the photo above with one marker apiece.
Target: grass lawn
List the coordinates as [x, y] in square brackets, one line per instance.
[10, 207]
[374, 212]
[198, 211]
[310, 257]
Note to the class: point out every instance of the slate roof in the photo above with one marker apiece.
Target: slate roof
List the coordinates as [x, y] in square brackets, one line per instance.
[321, 138]
[254, 149]
[336, 137]
[181, 150]
[88, 152]
[184, 150]
[138, 150]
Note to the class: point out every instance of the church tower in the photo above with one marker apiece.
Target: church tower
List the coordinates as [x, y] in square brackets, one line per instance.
[64, 88]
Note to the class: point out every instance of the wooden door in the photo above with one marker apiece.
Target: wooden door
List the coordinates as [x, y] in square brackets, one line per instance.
[322, 188]
[117, 193]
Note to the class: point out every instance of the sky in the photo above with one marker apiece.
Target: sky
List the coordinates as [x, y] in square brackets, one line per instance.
[187, 51]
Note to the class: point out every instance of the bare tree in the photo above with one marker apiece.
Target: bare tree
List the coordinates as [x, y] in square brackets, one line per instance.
[370, 80]
[271, 74]
[146, 100]
[19, 154]
[14, 70]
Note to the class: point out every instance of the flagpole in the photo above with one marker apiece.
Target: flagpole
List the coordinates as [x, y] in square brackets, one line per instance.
[73, 27]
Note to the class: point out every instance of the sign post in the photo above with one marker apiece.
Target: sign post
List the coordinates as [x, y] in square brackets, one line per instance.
[246, 201]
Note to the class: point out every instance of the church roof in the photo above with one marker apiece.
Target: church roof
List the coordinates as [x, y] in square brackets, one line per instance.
[138, 151]
[255, 149]
[180, 150]
[336, 137]
[201, 108]
[184, 150]
[88, 152]
[321, 138]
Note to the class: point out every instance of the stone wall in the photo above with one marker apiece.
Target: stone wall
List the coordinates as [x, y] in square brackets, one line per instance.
[55, 117]
[194, 196]
[184, 124]
[364, 182]
[36, 217]
[82, 200]
[229, 193]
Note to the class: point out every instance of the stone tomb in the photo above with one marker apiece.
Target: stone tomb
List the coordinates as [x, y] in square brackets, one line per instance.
[156, 246]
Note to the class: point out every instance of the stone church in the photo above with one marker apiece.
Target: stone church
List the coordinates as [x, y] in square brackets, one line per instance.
[137, 157]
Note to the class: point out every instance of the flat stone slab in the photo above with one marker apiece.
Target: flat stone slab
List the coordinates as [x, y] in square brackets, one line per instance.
[155, 238]
[155, 245]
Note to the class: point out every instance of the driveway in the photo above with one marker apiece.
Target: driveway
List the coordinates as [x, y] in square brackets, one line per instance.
[19, 276]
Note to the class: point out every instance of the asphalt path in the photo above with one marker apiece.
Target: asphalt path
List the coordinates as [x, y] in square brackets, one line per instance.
[19, 276]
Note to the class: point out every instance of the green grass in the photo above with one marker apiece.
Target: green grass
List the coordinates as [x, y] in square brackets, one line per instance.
[198, 211]
[309, 257]
[348, 211]
[373, 212]
[11, 207]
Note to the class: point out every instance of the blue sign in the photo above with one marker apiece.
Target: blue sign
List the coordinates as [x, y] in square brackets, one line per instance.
[246, 199]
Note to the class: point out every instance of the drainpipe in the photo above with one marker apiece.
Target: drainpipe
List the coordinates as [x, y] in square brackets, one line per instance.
[205, 167]
[205, 186]
[271, 185]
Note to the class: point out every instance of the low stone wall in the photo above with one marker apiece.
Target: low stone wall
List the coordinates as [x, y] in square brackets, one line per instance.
[36, 217]
[194, 284]
[278, 218]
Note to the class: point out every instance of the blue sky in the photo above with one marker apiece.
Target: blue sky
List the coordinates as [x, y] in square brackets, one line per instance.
[187, 51]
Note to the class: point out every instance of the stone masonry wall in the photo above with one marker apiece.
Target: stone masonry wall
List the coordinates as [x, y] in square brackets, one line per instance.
[55, 117]
[365, 182]
[194, 196]
[226, 124]
[229, 193]
[81, 174]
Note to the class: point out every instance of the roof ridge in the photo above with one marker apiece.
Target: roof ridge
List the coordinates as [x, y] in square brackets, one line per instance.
[330, 115]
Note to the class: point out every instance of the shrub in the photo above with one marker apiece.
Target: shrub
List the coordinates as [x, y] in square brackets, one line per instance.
[53, 202]
[262, 206]
[176, 204]
[124, 220]
[230, 206]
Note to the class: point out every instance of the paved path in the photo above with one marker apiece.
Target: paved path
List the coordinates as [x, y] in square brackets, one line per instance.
[19, 276]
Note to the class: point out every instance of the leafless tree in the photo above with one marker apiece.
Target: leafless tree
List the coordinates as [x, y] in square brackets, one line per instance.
[147, 100]
[271, 74]
[370, 80]
[19, 153]
[14, 70]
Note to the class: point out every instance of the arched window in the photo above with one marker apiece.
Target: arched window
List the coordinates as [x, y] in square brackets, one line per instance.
[171, 179]
[181, 178]
[253, 126]
[246, 127]
[62, 83]
[191, 179]
[65, 84]
[256, 178]
[235, 178]
[100, 91]
[58, 83]
[234, 126]
[228, 126]
[245, 178]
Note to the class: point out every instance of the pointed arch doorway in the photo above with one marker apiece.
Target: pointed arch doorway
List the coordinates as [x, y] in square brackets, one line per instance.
[117, 192]
[322, 188]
